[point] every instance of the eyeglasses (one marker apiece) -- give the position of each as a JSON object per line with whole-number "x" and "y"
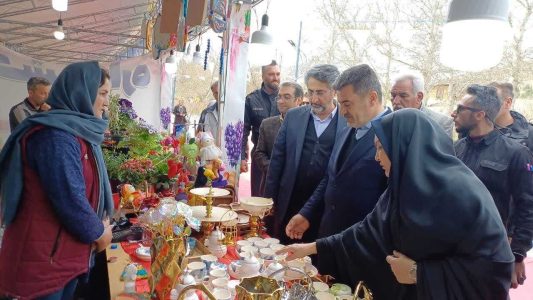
{"x": 285, "y": 97}
{"x": 318, "y": 93}
{"x": 461, "y": 108}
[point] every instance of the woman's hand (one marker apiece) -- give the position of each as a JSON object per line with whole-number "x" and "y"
{"x": 295, "y": 251}
{"x": 106, "y": 237}
{"x": 403, "y": 268}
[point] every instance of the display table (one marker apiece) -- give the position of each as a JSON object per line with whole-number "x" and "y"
{"x": 115, "y": 268}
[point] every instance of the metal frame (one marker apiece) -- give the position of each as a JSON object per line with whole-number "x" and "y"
{"x": 40, "y": 8}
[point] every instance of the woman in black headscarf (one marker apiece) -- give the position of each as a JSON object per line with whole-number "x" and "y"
{"x": 434, "y": 234}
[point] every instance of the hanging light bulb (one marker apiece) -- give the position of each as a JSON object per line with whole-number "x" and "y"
{"x": 474, "y": 36}
{"x": 60, "y": 5}
{"x": 59, "y": 34}
{"x": 261, "y": 50}
{"x": 171, "y": 63}
{"x": 197, "y": 57}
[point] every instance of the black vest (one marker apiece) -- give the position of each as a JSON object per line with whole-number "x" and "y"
{"x": 313, "y": 162}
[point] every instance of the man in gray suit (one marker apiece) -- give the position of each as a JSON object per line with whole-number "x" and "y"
{"x": 302, "y": 149}
{"x": 408, "y": 92}
{"x": 290, "y": 95}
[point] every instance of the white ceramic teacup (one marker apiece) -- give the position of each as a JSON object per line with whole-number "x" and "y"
{"x": 243, "y": 243}
{"x": 250, "y": 249}
{"x": 267, "y": 253}
{"x": 254, "y": 239}
{"x": 197, "y": 269}
{"x": 218, "y": 273}
{"x": 261, "y": 244}
{"x": 324, "y": 296}
{"x": 320, "y": 286}
{"x": 222, "y": 294}
{"x": 220, "y": 283}
{"x": 271, "y": 241}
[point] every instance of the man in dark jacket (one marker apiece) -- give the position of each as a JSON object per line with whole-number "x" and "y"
{"x": 509, "y": 122}
{"x": 302, "y": 149}
{"x": 290, "y": 95}
{"x": 353, "y": 180}
{"x": 502, "y": 164}
{"x": 38, "y": 89}
{"x": 260, "y": 104}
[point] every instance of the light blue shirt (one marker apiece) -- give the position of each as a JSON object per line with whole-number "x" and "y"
{"x": 364, "y": 129}
{"x": 321, "y": 125}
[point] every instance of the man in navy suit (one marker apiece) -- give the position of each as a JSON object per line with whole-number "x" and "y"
{"x": 354, "y": 180}
{"x": 302, "y": 149}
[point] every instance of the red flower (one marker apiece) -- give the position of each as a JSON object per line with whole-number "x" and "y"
{"x": 173, "y": 169}
{"x": 152, "y": 152}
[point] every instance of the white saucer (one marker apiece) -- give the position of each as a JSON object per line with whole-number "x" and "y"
{"x": 143, "y": 253}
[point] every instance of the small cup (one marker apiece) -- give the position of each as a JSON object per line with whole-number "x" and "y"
{"x": 220, "y": 283}
{"x": 267, "y": 253}
{"x": 324, "y": 296}
{"x": 271, "y": 241}
{"x": 254, "y": 239}
{"x": 243, "y": 243}
{"x": 217, "y": 273}
{"x": 320, "y": 286}
{"x": 260, "y": 244}
{"x": 276, "y": 247}
{"x": 250, "y": 249}
{"x": 231, "y": 286}
{"x": 222, "y": 294}
{"x": 208, "y": 260}
{"x": 197, "y": 269}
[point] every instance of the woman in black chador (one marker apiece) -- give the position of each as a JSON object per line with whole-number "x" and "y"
{"x": 434, "y": 234}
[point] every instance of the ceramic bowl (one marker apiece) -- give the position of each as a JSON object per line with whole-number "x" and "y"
{"x": 143, "y": 253}
{"x": 257, "y": 206}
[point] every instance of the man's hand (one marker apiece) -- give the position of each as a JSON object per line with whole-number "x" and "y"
{"x": 402, "y": 266}
{"x": 519, "y": 274}
{"x": 295, "y": 251}
{"x": 244, "y": 166}
{"x": 106, "y": 237}
{"x": 45, "y": 107}
{"x": 297, "y": 227}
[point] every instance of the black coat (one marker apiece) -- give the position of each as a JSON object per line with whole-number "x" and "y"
{"x": 436, "y": 212}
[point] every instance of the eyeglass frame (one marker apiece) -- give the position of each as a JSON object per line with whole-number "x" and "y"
{"x": 318, "y": 93}
{"x": 461, "y": 108}
{"x": 285, "y": 98}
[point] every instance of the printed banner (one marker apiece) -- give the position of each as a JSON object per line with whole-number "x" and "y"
{"x": 138, "y": 79}
{"x": 234, "y": 93}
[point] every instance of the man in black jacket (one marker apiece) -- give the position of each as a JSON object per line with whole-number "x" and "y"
{"x": 502, "y": 164}
{"x": 260, "y": 104}
{"x": 509, "y": 122}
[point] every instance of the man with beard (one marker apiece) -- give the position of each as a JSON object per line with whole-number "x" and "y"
{"x": 502, "y": 164}
{"x": 302, "y": 150}
{"x": 259, "y": 105}
{"x": 509, "y": 122}
{"x": 353, "y": 180}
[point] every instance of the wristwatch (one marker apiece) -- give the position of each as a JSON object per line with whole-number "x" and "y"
{"x": 412, "y": 272}
{"x": 518, "y": 257}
